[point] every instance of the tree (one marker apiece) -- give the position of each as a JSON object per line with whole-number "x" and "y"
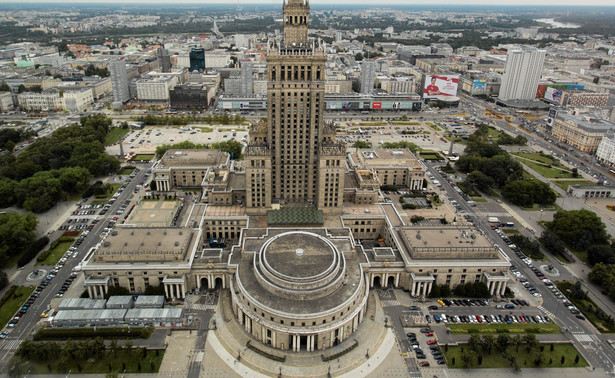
{"x": 128, "y": 346}
{"x": 503, "y": 341}
{"x": 563, "y": 359}
{"x": 480, "y": 181}
{"x": 600, "y": 253}
{"x": 579, "y": 228}
{"x": 4, "y": 87}
{"x": 552, "y": 242}
{"x": 474, "y": 342}
{"x": 21, "y": 88}
{"x": 362, "y": 144}
{"x": 358, "y": 56}
{"x": 487, "y": 343}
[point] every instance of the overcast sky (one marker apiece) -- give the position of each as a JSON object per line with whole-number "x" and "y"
{"x": 344, "y": 2}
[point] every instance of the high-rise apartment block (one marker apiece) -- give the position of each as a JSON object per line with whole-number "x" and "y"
{"x": 368, "y": 75}
{"x": 164, "y": 60}
{"x": 119, "y": 82}
{"x": 522, "y": 73}
{"x": 295, "y": 157}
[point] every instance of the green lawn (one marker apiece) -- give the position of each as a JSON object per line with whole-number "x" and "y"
{"x": 114, "y": 135}
{"x": 109, "y": 193}
{"x": 203, "y": 129}
{"x": 98, "y": 202}
{"x": 118, "y": 362}
{"x": 411, "y": 123}
{"x": 127, "y": 170}
{"x": 146, "y": 157}
{"x": 373, "y": 123}
{"x": 513, "y": 328}
{"x": 56, "y": 253}
{"x": 431, "y": 156}
{"x": 524, "y": 358}
{"x": 13, "y": 303}
{"x": 587, "y": 307}
{"x": 565, "y": 183}
{"x": 509, "y": 231}
{"x": 536, "y": 156}
{"x": 479, "y": 199}
{"x": 433, "y": 126}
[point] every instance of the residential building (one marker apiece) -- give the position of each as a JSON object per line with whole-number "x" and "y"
{"x": 522, "y": 73}
{"x": 119, "y": 82}
{"x": 580, "y": 131}
{"x": 6, "y": 101}
{"x": 368, "y": 75}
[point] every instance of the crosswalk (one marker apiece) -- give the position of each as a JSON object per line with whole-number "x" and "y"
{"x": 547, "y": 312}
{"x": 585, "y": 338}
{"x": 10, "y": 344}
{"x": 389, "y": 302}
{"x": 203, "y": 307}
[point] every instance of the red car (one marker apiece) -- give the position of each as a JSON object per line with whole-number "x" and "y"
{"x": 429, "y": 333}
{"x": 424, "y": 364}
{"x": 431, "y": 342}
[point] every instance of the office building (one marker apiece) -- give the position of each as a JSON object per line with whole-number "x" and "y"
{"x": 522, "y": 73}
{"x": 192, "y": 97}
{"x": 368, "y": 75}
{"x": 119, "y": 82}
{"x": 580, "y": 131}
{"x": 164, "y": 60}
{"x": 197, "y": 59}
{"x": 295, "y": 158}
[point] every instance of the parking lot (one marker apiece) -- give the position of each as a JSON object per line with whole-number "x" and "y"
{"x": 425, "y": 347}
{"x": 147, "y": 139}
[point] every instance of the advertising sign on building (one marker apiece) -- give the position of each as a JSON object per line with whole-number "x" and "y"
{"x": 440, "y": 85}
{"x": 553, "y": 95}
{"x": 376, "y": 105}
{"x": 479, "y": 87}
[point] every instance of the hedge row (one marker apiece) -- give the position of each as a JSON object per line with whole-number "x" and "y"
{"x": 266, "y": 354}
{"x": 341, "y": 353}
{"x": 91, "y": 333}
{"x": 54, "y": 244}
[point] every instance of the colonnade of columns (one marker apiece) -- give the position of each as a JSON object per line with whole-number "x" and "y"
{"x": 312, "y": 342}
{"x": 162, "y": 185}
{"x": 97, "y": 291}
{"x": 497, "y": 287}
{"x": 174, "y": 290}
{"x": 421, "y": 288}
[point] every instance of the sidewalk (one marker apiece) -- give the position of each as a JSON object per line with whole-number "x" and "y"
{"x": 374, "y": 355}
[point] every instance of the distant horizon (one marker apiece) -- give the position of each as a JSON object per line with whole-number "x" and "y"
{"x": 340, "y": 3}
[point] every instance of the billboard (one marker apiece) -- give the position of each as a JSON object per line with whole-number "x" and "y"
{"x": 376, "y": 105}
{"x": 440, "y": 85}
{"x": 479, "y": 87}
{"x": 553, "y": 95}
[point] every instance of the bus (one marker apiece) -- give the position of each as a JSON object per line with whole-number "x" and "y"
{"x": 612, "y": 171}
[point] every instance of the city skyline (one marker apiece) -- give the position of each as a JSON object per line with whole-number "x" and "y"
{"x": 546, "y": 3}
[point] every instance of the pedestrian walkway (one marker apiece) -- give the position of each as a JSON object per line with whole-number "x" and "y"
{"x": 585, "y": 338}
{"x": 10, "y": 344}
{"x": 226, "y": 351}
{"x": 203, "y": 307}
{"x": 390, "y": 302}
{"x": 547, "y": 312}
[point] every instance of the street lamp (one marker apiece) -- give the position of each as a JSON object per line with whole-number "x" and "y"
{"x": 540, "y": 220}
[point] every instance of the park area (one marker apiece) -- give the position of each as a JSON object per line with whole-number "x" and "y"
{"x": 515, "y": 328}
{"x": 12, "y": 301}
{"x": 516, "y": 353}
{"x": 83, "y": 357}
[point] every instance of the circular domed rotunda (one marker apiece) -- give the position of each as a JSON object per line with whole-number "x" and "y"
{"x": 298, "y": 290}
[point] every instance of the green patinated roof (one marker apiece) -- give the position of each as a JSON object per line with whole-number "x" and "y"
{"x": 294, "y": 215}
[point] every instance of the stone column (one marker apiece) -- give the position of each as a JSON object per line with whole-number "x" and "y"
{"x": 295, "y": 342}
{"x": 429, "y": 288}
{"x": 312, "y": 343}
{"x": 397, "y": 279}
{"x": 106, "y": 289}
{"x": 90, "y": 294}
{"x": 166, "y": 290}
{"x": 413, "y": 288}
{"x": 497, "y": 287}
{"x": 503, "y": 288}
{"x": 490, "y": 286}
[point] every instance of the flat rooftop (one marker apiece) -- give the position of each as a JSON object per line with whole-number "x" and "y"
{"x": 384, "y": 157}
{"x": 146, "y": 244}
{"x": 192, "y": 158}
{"x": 458, "y": 241}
